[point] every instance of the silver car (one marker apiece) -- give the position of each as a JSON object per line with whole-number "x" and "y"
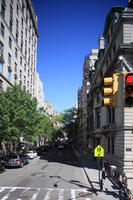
{"x": 14, "y": 160}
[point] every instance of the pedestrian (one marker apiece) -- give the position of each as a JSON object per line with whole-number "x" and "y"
{"x": 122, "y": 184}
{"x": 122, "y": 180}
{"x": 103, "y": 176}
{"x": 103, "y": 173}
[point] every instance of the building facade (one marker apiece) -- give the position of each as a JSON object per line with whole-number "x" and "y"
{"x": 39, "y": 92}
{"x": 88, "y": 68}
{"x": 18, "y": 44}
{"x": 112, "y": 128}
{"x": 49, "y": 109}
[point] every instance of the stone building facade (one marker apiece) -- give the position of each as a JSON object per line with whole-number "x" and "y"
{"x": 112, "y": 128}
{"x": 18, "y": 44}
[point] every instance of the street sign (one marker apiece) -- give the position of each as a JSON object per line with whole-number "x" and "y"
{"x": 99, "y": 151}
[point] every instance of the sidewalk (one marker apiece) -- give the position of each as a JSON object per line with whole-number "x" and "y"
{"x": 110, "y": 190}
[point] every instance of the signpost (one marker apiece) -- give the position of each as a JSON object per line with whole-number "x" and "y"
{"x": 99, "y": 152}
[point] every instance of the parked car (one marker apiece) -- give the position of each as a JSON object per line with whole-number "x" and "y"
{"x": 14, "y": 160}
{"x": 32, "y": 154}
{"x": 1, "y": 163}
{"x": 60, "y": 146}
{"x": 25, "y": 158}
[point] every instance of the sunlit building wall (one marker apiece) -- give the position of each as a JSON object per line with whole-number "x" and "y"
{"x": 18, "y": 44}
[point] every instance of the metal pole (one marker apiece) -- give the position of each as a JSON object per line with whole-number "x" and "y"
{"x": 99, "y": 168}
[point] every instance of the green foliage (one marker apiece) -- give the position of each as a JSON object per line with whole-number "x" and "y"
{"x": 58, "y": 132}
{"x": 19, "y": 116}
{"x": 68, "y": 118}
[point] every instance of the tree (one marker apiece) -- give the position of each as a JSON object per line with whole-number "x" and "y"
{"x": 68, "y": 118}
{"x": 18, "y": 115}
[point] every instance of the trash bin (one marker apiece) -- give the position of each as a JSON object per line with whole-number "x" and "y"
{"x": 112, "y": 170}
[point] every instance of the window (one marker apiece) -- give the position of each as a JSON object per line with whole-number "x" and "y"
{"x": 9, "y": 74}
{"x": 98, "y": 116}
{"x": 21, "y": 35}
{"x": 3, "y": 9}
{"x": 108, "y": 40}
{"x": 21, "y": 46}
{"x": 16, "y": 52}
{"x": 20, "y": 60}
{"x": 17, "y": 9}
{"x": 26, "y": 18}
{"x": 28, "y": 84}
{"x": 10, "y": 42}
{"x": 26, "y": 44}
{"x": 15, "y": 79}
{"x": 20, "y": 74}
{"x": 1, "y": 84}
{"x": 15, "y": 68}
{"x": 2, "y": 29}
{"x": 25, "y": 67}
{"x": 22, "y": 21}
{"x": 24, "y": 79}
{"x": 16, "y": 24}
{"x": 11, "y": 11}
{"x": 26, "y": 32}
{"x": 111, "y": 115}
{"x": 114, "y": 49}
{"x": 16, "y": 37}
{"x": 9, "y": 58}
{"x": 10, "y": 25}
{"x": 25, "y": 53}
{"x": 98, "y": 97}
{"x": 112, "y": 145}
{"x": 1, "y": 49}
{"x": 0, "y": 67}
{"x": 108, "y": 144}
{"x": 31, "y": 79}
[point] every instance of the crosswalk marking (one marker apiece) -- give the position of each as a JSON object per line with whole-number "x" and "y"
{"x": 36, "y": 194}
{"x": 7, "y": 193}
{"x": 61, "y": 192}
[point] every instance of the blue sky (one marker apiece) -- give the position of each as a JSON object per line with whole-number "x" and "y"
{"x": 68, "y": 30}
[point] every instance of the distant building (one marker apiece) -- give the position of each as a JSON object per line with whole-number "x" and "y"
{"x": 88, "y": 74}
{"x": 49, "y": 109}
{"x": 39, "y": 93}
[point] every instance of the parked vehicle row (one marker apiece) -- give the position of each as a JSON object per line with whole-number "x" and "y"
{"x": 17, "y": 159}
{"x": 32, "y": 154}
{"x": 1, "y": 163}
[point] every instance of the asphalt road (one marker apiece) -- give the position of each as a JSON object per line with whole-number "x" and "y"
{"x": 55, "y": 176}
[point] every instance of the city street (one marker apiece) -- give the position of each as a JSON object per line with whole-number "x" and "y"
{"x": 56, "y": 175}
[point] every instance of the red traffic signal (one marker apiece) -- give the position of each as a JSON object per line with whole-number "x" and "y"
{"x": 129, "y": 89}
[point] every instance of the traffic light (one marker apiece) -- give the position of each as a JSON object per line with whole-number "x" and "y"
{"x": 110, "y": 91}
{"x": 128, "y": 89}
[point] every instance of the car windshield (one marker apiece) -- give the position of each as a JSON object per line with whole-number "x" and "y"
{"x": 12, "y": 156}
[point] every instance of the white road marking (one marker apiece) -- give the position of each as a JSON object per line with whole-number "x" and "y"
{"x": 73, "y": 194}
{"x": 61, "y": 192}
{"x": 47, "y": 196}
{"x": 35, "y": 194}
{"x": 7, "y": 195}
{"x": 2, "y": 189}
